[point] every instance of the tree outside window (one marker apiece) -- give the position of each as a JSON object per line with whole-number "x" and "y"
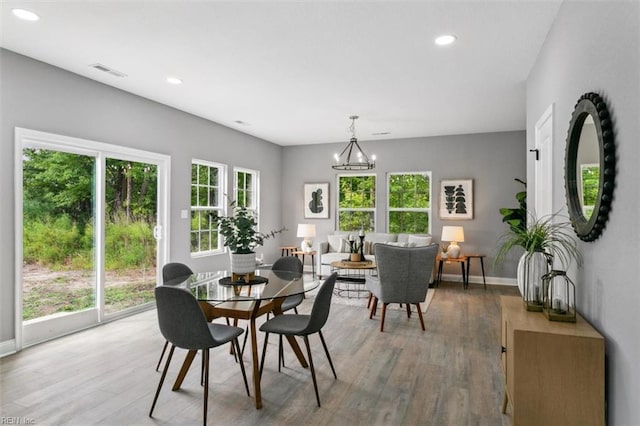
{"x": 206, "y": 203}
{"x": 245, "y": 189}
{"x": 409, "y": 202}
{"x": 356, "y": 202}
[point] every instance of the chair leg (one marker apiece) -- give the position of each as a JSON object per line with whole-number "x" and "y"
{"x": 164, "y": 374}
{"x": 295, "y": 309}
{"x": 164, "y": 348}
{"x": 264, "y": 351}
{"x": 280, "y": 353}
{"x": 244, "y": 373}
{"x": 313, "y": 370}
{"x": 420, "y": 316}
{"x": 408, "y": 310}
{"x": 326, "y": 351}
{"x": 384, "y": 312}
{"x": 369, "y": 301}
{"x": 202, "y": 371}
{"x": 205, "y": 357}
{"x": 374, "y": 307}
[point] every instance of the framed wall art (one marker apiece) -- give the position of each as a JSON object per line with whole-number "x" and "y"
{"x": 316, "y": 200}
{"x": 456, "y": 199}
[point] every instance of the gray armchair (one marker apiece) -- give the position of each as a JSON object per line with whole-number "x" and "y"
{"x": 403, "y": 277}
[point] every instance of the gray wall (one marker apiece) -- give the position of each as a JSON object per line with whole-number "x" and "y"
{"x": 38, "y": 96}
{"x": 492, "y": 160}
{"x": 594, "y": 46}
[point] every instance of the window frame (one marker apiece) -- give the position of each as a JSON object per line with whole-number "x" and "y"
{"x": 255, "y": 188}
{"x": 367, "y": 209}
{"x": 427, "y": 210}
{"x": 221, "y": 207}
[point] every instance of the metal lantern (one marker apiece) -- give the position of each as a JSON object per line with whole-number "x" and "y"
{"x": 535, "y": 266}
{"x": 559, "y": 297}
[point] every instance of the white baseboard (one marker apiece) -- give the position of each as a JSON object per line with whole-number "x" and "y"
{"x": 477, "y": 279}
{"x": 7, "y": 347}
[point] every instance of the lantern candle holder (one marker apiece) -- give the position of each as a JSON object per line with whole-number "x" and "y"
{"x": 536, "y": 265}
{"x": 559, "y": 297}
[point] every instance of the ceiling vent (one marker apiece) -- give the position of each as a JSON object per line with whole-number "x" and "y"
{"x": 108, "y": 70}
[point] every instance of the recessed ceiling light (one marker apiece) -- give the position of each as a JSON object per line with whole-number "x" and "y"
{"x": 445, "y": 39}
{"x": 27, "y": 15}
{"x": 174, "y": 80}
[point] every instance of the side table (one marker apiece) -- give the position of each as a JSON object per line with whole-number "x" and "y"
{"x": 297, "y": 253}
{"x": 288, "y": 250}
{"x": 461, "y": 260}
{"x": 476, "y": 256}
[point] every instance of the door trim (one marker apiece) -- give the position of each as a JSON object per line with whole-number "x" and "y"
{"x": 27, "y": 137}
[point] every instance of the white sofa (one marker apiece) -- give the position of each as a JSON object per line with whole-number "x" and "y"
{"x": 336, "y": 246}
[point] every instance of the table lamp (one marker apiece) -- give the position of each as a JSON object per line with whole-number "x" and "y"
{"x": 306, "y": 231}
{"x": 454, "y": 234}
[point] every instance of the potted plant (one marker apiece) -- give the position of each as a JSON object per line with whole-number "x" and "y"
{"x": 241, "y": 236}
{"x": 543, "y": 240}
{"x": 354, "y": 249}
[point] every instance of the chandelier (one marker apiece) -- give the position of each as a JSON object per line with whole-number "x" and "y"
{"x": 361, "y": 161}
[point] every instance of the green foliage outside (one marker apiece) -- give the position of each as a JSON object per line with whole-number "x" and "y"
{"x": 590, "y": 187}
{"x": 58, "y": 228}
{"x": 408, "y": 193}
{"x": 358, "y": 195}
{"x": 409, "y": 196}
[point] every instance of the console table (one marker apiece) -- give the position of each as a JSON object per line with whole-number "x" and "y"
{"x": 554, "y": 371}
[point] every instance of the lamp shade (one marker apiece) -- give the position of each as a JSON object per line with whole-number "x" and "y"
{"x": 453, "y": 233}
{"x": 306, "y": 230}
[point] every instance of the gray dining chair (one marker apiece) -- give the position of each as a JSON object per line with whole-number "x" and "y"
{"x": 185, "y": 326}
{"x": 403, "y": 277}
{"x": 173, "y": 271}
{"x": 305, "y": 325}
{"x": 170, "y": 272}
{"x": 289, "y": 264}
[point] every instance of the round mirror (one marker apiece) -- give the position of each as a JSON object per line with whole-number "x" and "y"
{"x": 589, "y": 166}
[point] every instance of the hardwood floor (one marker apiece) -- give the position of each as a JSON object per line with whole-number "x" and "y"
{"x": 448, "y": 375}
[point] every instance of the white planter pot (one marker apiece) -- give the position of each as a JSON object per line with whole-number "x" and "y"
{"x": 243, "y": 263}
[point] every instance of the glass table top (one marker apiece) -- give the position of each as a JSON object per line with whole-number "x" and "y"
{"x": 216, "y": 286}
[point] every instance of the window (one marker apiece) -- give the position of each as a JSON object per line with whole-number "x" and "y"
{"x": 409, "y": 202}
{"x": 207, "y": 188}
{"x": 246, "y": 189}
{"x": 357, "y": 202}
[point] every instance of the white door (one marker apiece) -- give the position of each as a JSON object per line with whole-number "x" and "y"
{"x": 543, "y": 169}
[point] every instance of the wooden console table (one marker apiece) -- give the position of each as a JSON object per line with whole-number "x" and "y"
{"x": 554, "y": 371}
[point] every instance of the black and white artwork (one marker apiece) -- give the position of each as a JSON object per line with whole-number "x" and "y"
{"x": 456, "y": 199}
{"x": 316, "y": 200}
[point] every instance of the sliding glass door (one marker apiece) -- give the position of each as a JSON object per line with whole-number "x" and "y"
{"x": 91, "y": 238}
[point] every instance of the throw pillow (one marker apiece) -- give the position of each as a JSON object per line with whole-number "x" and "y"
{"x": 418, "y": 241}
{"x": 336, "y": 243}
{"x": 391, "y": 243}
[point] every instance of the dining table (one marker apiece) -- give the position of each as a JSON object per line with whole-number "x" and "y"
{"x": 222, "y": 297}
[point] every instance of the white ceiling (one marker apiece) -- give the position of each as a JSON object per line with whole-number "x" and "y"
{"x": 295, "y": 71}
